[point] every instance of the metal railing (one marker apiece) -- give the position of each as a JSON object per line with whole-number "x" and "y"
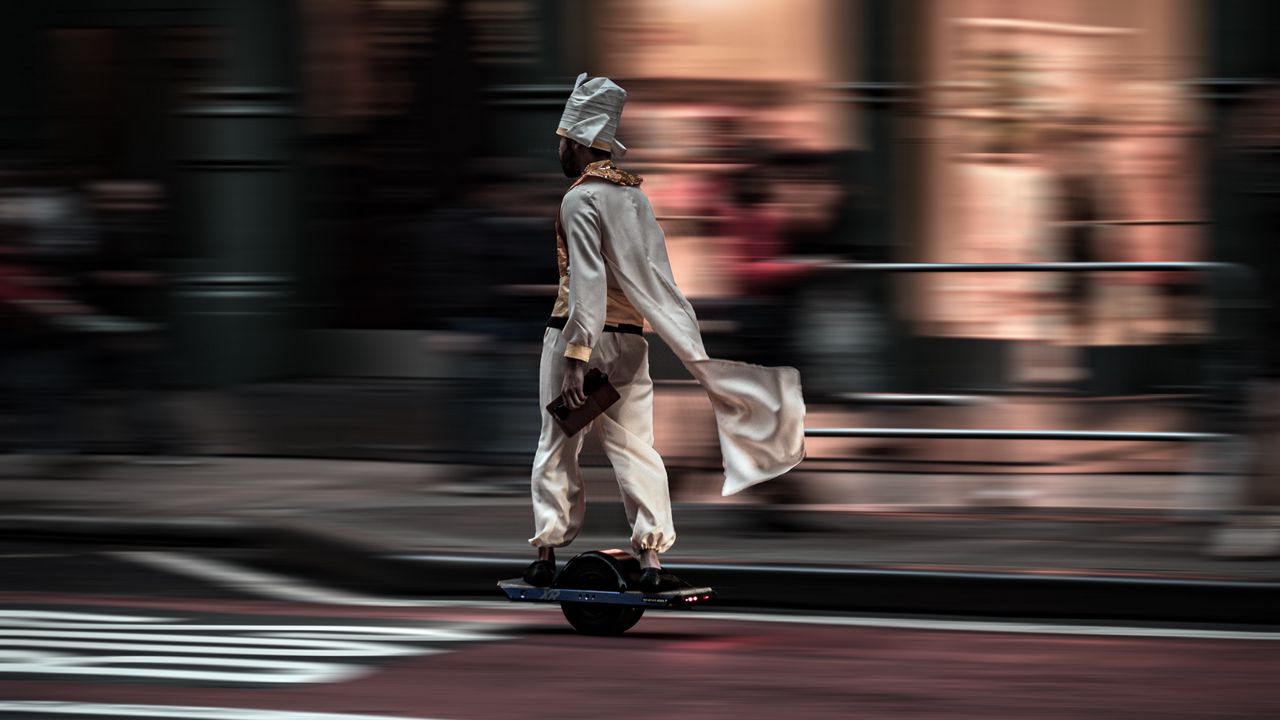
{"x": 970, "y": 434}
{"x": 1035, "y": 267}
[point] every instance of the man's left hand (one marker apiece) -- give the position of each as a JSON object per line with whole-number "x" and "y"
{"x": 571, "y": 390}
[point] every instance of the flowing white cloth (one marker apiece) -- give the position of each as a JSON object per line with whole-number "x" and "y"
{"x": 614, "y": 240}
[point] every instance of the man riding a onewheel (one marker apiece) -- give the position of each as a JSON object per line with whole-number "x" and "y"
{"x": 614, "y": 277}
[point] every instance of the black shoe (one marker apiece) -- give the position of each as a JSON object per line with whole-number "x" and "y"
{"x": 655, "y": 580}
{"x": 540, "y": 573}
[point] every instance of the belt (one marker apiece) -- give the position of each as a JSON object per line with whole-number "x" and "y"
{"x": 558, "y": 323}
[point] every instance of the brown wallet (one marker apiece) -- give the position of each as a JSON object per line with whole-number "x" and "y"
{"x": 600, "y": 395}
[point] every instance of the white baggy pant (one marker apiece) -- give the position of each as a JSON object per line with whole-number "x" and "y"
{"x": 626, "y": 432}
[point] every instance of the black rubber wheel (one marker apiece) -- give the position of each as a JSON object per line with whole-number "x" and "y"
{"x": 593, "y": 618}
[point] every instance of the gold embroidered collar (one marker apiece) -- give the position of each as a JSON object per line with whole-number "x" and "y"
{"x": 605, "y": 169}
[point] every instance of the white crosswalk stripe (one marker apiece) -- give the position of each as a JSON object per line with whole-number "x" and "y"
{"x": 34, "y": 642}
{"x": 176, "y": 712}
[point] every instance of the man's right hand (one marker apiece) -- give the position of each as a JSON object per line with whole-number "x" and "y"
{"x": 571, "y": 389}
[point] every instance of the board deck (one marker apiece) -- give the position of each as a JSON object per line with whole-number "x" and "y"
{"x": 521, "y": 591}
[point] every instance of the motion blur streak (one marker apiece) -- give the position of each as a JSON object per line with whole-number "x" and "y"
{"x": 274, "y": 276}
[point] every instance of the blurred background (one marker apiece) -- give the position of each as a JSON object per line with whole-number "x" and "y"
{"x": 323, "y": 229}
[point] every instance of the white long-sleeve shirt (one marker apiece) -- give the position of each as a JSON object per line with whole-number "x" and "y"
{"x": 590, "y": 296}
{"x": 618, "y": 263}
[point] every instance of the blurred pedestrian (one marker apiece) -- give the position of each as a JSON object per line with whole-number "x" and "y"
{"x": 471, "y": 262}
{"x": 42, "y": 234}
{"x": 1244, "y": 367}
{"x": 129, "y": 282}
{"x": 762, "y": 275}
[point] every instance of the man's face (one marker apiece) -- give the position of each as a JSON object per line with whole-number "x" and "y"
{"x": 568, "y": 163}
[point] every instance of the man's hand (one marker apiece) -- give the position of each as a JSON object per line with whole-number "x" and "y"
{"x": 571, "y": 390}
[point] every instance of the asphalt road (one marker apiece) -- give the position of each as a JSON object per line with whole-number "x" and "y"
{"x": 153, "y": 633}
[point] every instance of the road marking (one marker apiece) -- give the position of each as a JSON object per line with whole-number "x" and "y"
{"x": 24, "y": 620}
{"x": 184, "y": 712}
{"x": 47, "y": 616}
{"x": 28, "y": 556}
{"x": 280, "y": 587}
{"x": 198, "y": 669}
{"x": 994, "y": 626}
{"x": 256, "y": 582}
{"x": 299, "y": 636}
{"x": 268, "y": 647}
{"x": 71, "y": 644}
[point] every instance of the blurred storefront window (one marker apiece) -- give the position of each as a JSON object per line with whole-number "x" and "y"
{"x": 718, "y": 89}
{"x": 1052, "y": 131}
{"x": 1062, "y": 131}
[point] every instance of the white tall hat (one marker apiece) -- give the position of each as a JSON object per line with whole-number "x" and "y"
{"x": 591, "y": 115}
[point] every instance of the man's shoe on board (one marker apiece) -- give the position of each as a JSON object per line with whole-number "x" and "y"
{"x": 540, "y": 573}
{"x": 655, "y": 580}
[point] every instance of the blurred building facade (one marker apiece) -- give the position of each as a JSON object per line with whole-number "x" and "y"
{"x": 303, "y": 146}
{"x": 341, "y": 193}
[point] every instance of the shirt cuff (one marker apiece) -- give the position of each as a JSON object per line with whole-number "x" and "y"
{"x": 577, "y": 352}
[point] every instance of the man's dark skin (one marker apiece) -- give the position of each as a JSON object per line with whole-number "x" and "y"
{"x": 574, "y": 157}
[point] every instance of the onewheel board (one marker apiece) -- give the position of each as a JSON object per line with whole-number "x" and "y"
{"x": 520, "y": 590}
{"x": 594, "y": 593}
